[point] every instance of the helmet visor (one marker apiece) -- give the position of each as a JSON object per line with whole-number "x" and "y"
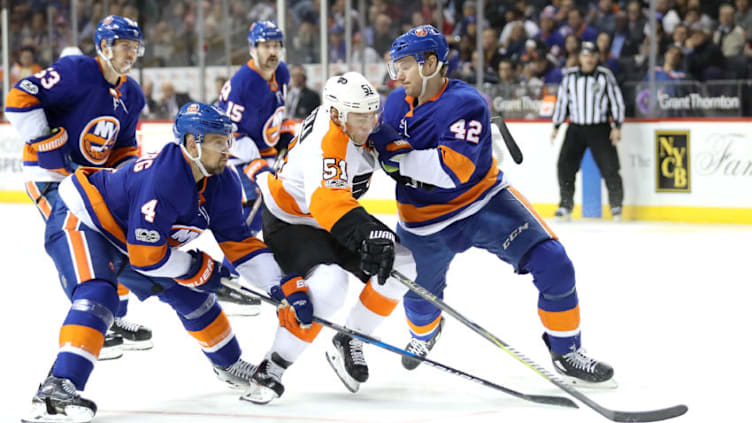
{"x": 402, "y": 64}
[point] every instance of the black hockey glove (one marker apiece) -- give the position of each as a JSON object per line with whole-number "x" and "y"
{"x": 372, "y": 240}
{"x": 377, "y": 253}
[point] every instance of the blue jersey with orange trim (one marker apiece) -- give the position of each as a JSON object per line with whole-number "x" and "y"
{"x": 256, "y": 105}
{"x": 456, "y": 124}
{"x": 153, "y": 205}
{"x": 100, "y": 118}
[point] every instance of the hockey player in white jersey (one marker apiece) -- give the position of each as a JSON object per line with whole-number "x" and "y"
{"x": 315, "y": 226}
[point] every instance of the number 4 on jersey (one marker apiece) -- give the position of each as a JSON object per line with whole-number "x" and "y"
{"x": 148, "y": 210}
{"x": 470, "y": 134}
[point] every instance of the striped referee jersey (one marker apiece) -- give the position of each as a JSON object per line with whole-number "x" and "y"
{"x": 589, "y": 99}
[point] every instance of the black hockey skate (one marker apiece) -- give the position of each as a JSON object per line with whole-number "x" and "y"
{"x": 421, "y": 348}
{"x": 266, "y": 382}
{"x": 135, "y": 337}
{"x": 581, "y": 370}
{"x": 238, "y": 376}
{"x": 57, "y": 401}
{"x": 112, "y": 348}
{"x": 348, "y": 362}
{"x": 236, "y": 304}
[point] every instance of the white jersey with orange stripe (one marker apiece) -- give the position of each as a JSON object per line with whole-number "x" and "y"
{"x": 315, "y": 186}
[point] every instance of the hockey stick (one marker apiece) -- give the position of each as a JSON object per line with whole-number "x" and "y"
{"x": 257, "y": 204}
{"x": 236, "y": 286}
{"x": 514, "y": 149}
{"x": 617, "y": 416}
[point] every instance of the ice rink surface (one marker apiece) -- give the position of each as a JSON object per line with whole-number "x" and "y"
{"x": 663, "y": 303}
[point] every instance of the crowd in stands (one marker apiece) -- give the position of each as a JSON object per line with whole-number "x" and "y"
{"x": 524, "y": 41}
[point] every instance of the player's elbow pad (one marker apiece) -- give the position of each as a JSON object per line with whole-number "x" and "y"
{"x": 51, "y": 149}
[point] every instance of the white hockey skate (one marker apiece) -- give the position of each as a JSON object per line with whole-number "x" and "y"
{"x": 266, "y": 382}
{"x": 238, "y": 376}
{"x": 57, "y": 401}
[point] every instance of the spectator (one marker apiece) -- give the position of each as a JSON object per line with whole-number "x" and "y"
{"x": 603, "y": 17}
{"x": 507, "y": 73}
{"x": 171, "y": 101}
{"x": 549, "y": 34}
{"x": 544, "y": 68}
{"x": 369, "y": 53}
{"x": 695, "y": 19}
{"x": 679, "y": 38}
{"x": 572, "y": 45}
{"x": 563, "y": 12}
{"x": 24, "y": 66}
{"x": 150, "y": 108}
{"x": 515, "y": 46}
{"x": 621, "y": 44}
{"x": 705, "y": 60}
{"x": 514, "y": 17}
{"x": 219, "y": 83}
{"x": 729, "y": 36}
{"x": 382, "y": 34}
{"x": 636, "y": 22}
{"x": 301, "y": 100}
{"x": 491, "y": 49}
{"x": 337, "y": 45}
{"x": 304, "y": 46}
{"x": 576, "y": 25}
{"x": 603, "y": 43}
{"x": 667, "y": 16}
{"x": 670, "y": 71}
{"x": 743, "y": 16}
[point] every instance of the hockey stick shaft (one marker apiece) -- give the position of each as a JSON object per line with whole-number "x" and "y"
{"x": 512, "y": 147}
{"x": 236, "y": 285}
{"x": 259, "y": 200}
{"x": 619, "y": 416}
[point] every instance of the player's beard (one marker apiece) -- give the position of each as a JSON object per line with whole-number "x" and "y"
{"x": 271, "y": 63}
{"x": 218, "y": 168}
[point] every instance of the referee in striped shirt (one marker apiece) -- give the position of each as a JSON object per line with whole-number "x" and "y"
{"x": 589, "y": 96}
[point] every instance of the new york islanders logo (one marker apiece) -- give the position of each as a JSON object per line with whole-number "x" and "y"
{"x": 421, "y": 32}
{"x": 271, "y": 128}
{"x": 98, "y": 137}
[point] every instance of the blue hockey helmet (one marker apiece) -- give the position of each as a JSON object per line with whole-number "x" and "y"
{"x": 264, "y": 31}
{"x": 416, "y": 43}
{"x": 200, "y": 119}
{"x": 114, "y": 28}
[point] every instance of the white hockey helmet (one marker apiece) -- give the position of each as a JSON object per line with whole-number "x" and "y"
{"x": 350, "y": 93}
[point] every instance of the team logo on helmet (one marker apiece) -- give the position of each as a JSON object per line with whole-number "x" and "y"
{"x": 421, "y": 32}
{"x": 108, "y": 20}
{"x": 98, "y": 137}
{"x": 193, "y": 108}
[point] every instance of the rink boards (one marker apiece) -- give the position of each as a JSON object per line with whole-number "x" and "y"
{"x": 674, "y": 170}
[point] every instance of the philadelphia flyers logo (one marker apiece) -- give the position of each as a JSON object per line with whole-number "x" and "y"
{"x": 271, "y": 128}
{"x": 98, "y": 137}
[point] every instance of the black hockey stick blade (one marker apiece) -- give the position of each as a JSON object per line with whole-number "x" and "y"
{"x": 645, "y": 416}
{"x": 514, "y": 149}
{"x": 235, "y": 285}
{"x": 617, "y": 416}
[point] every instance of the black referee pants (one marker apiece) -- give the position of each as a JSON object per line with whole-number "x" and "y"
{"x": 576, "y": 140}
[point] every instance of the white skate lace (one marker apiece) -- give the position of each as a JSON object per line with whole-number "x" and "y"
{"x": 356, "y": 352}
{"x": 418, "y": 347}
{"x": 127, "y": 325}
{"x": 580, "y": 361}
{"x": 241, "y": 369}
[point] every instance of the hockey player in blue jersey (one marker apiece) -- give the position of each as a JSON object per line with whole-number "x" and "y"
{"x": 435, "y": 141}
{"x": 254, "y": 98}
{"x": 83, "y": 111}
{"x": 127, "y": 224}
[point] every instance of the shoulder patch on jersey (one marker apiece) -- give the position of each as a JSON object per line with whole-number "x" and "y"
{"x": 29, "y": 87}
{"x": 147, "y": 235}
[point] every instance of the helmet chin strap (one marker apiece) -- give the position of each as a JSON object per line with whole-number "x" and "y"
{"x": 426, "y": 78}
{"x": 196, "y": 159}
{"x": 108, "y": 59}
